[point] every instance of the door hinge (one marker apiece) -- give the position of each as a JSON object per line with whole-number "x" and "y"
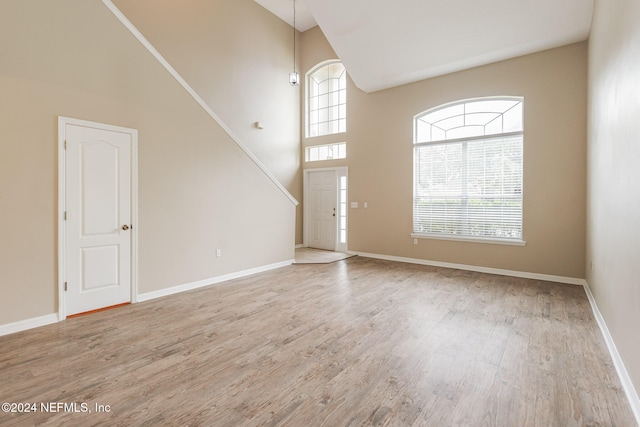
{"x": 65, "y": 215}
{"x": 65, "y": 144}
{"x": 65, "y": 286}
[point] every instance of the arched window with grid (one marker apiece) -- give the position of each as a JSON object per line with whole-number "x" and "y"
{"x": 468, "y": 170}
{"x": 326, "y": 99}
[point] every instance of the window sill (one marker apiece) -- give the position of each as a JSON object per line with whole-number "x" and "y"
{"x": 325, "y": 135}
{"x": 495, "y": 241}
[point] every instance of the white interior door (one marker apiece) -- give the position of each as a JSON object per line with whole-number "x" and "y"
{"x": 98, "y": 210}
{"x": 322, "y": 220}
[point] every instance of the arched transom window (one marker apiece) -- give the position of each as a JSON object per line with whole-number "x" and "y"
{"x": 468, "y": 164}
{"x": 478, "y": 117}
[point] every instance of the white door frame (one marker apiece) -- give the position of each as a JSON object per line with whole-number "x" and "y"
{"x": 62, "y": 261}
{"x": 340, "y": 171}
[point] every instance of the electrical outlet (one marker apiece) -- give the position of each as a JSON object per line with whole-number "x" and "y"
{"x": 218, "y": 253}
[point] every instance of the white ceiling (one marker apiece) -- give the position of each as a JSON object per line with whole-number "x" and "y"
{"x": 385, "y": 43}
{"x": 284, "y": 10}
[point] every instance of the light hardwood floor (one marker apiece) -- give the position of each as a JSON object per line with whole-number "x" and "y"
{"x": 352, "y": 343}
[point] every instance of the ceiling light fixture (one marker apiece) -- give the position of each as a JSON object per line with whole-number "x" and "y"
{"x": 294, "y": 78}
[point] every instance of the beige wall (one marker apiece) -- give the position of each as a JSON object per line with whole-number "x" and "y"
{"x": 613, "y": 245}
{"x": 198, "y": 191}
{"x": 237, "y": 56}
{"x": 379, "y": 146}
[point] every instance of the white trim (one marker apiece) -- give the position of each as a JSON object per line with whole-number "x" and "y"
{"x": 306, "y": 96}
{"x": 625, "y": 379}
{"x": 470, "y": 138}
{"x": 339, "y": 171}
{"x": 152, "y": 50}
{"x": 62, "y": 123}
{"x": 62, "y": 249}
{"x": 23, "y": 325}
{"x": 212, "y": 281}
{"x": 489, "y": 270}
{"x": 338, "y": 144}
{"x": 493, "y": 241}
{"x": 470, "y": 100}
{"x": 135, "y": 227}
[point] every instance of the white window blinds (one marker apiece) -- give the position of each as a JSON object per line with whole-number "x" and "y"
{"x": 468, "y": 178}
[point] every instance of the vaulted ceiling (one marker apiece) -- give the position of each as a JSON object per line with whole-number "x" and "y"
{"x": 385, "y": 43}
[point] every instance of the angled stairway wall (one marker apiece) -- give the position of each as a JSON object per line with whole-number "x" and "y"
{"x": 198, "y": 189}
{"x": 236, "y": 56}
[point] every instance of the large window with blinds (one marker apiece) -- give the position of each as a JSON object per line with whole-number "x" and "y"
{"x": 468, "y": 159}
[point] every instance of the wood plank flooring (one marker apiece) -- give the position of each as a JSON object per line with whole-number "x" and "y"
{"x": 359, "y": 342}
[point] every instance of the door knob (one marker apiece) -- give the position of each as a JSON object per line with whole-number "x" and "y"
{"x": 125, "y": 227}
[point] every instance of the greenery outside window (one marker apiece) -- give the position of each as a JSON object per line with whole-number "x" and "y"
{"x": 468, "y": 171}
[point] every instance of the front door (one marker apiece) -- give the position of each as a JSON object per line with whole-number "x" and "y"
{"x": 322, "y": 225}
{"x": 98, "y": 236}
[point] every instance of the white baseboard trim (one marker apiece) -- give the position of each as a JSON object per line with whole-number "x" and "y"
{"x": 625, "y": 379}
{"x": 212, "y": 281}
{"x": 498, "y": 271}
{"x": 23, "y": 325}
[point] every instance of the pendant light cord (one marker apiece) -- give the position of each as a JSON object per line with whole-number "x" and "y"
{"x": 294, "y": 36}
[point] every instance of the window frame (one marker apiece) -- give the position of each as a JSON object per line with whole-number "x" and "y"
{"x": 339, "y": 148}
{"x": 339, "y": 106}
{"x": 464, "y": 141}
